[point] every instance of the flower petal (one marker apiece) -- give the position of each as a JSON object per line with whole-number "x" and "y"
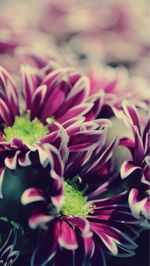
{"x": 2, "y": 171}
{"x": 29, "y": 81}
{"x": 67, "y": 238}
{"x": 32, "y": 195}
{"x": 127, "y": 169}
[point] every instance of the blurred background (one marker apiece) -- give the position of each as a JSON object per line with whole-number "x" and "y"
{"x": 83, "y": 34}
{"x": 108, "y": 32}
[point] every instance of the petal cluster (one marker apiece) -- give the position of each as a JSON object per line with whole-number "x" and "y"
{"x": 138, "y": 167}
{"x": 74, "y": 131}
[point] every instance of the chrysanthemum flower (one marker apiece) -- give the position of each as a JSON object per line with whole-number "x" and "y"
{"x": 31, "y": 119}
{"x": 7, "y": 253}
{"x": 23, "y": 134}
{"x": 87, "y": 223}
{"x": 138, "y": 167}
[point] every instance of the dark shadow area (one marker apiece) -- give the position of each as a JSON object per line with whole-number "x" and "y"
{"x": 142, "y": 254}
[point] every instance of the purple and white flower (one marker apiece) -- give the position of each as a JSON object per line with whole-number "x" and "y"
{"x": 44, "y": 117}
{"x": 138, "y": 167}
{"x": 87, "y": 224}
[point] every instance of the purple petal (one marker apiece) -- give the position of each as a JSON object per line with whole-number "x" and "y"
{"x": 99, "y": 190}
{"x": 82, "y": 224}
{"x": 11, "y": 162}
{"x": 38, "y": 98}
{"x": 139, "y": 148}
{"x": 29, "y": 82}
{"x": 24, "y": 160}
{"x": 5, "y": 113}
{"x": 96, "y": 108}
{"x": 39, "y": 220}
{"x": 78, "y": 110}
{"x": 67, "y": 238}
{"x": 84, "y": 140}
{"x": 146, "y": 210}
{"x": 104, "y": 157}
{"x": 131, "y": 112}
{"x": 136, "y": 204}
{"x": 108, "y": 236}
{"x": 78, "y": 94}
{"x": 127, "y": 169}
{"x": 2, "y": 171}
{"x": 32, "y": 195}
{"x": 10, "y": 94}
{"x": 53, "y": 101}
{"x": 89, "y": 247}
{"x": 58, "y": 201}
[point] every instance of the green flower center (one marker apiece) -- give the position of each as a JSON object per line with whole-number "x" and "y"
{"x": 28, "y": 131}
{"x": 74, "y": 202}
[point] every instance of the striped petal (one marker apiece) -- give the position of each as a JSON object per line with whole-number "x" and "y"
{"x": 5, "y": 113}
{"x": 131, "y": 112}
{"x": 29, "y": 81}
{"x": 38, "y": 98}
{"x": 8, "y": 92}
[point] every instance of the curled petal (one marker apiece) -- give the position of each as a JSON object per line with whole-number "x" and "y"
{"x": 127, "y": 169}
{"x": 32, "y": 195}
{"x": 137, "y": 205}
{"x": 24, "y": 160}
{"x": 39, "y": 220}
{"x": 11, "y": 162}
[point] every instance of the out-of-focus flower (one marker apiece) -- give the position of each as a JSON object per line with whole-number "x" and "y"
{"x": 87, "y": 223}
{"x": 27, "y": 47}
{"x": 117, "y": 85}
{"x": 7, "y": 253}
{"x": 114, "y": 32}
{"x": 24, "y": 43}
{"x": 19, "y": 14}
{"x": 138, "y": 167}
{"x": 111, "y": 36}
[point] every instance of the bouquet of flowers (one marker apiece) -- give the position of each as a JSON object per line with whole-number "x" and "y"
{"x": 74, "y": 133}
